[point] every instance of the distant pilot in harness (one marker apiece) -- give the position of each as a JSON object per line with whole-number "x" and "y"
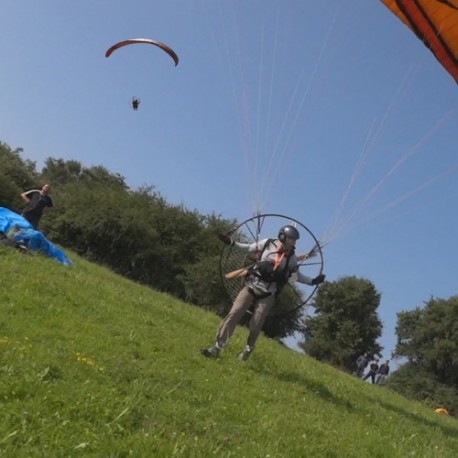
{"x": 135, "y": 103}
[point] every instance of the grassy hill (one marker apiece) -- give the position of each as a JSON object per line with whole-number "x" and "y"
{"x": 95, "y": 365}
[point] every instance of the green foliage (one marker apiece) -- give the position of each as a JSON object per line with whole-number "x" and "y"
{"x": 92, "y": 364}
{"x": 345, "y": 323}
{"x": 60, "y": 172}
{"x": 92, "y": 220}
{"x": 414, "y": 382}
{"x": 284, "y": 325}
{"x": 135, "y": 232}
{"x": 15, "y": 177}
{"x": 203, "y": 285}
{"x": 428, "y": 339}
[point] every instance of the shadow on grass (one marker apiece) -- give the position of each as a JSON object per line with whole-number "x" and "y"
{"x": 315, "y": 387}
{"x": 326, "y": 395}
{"x": 449, "y": 431}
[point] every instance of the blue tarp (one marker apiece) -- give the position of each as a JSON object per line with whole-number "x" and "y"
{"x": 18, "y": 229}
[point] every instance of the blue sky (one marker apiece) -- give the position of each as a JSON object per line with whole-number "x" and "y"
{"x": 330, "y": 112}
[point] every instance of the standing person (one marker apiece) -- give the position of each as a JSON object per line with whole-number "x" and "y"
{"x": 264, "y": 280}
{"x": 37, "y": 200}
{"x": 373, "y": 369}
{"x": 383, "y": 371}
{"x": 361, "y": 364}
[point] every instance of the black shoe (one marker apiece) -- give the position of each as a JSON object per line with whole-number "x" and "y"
{"x": 210, "y": 352}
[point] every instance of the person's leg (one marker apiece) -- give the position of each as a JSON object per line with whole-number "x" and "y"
{"x": 241, "y": 304}
{"x": 261, "y": 310}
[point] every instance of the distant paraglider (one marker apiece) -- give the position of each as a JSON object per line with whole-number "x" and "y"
{"x": 132, "y": 41}
{"x": 435, "y": 22}
{"x": 163, "y": 46}
{"x": 135, "y": 103}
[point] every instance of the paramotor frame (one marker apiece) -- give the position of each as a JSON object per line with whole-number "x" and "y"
{"x": 257, "y": 228}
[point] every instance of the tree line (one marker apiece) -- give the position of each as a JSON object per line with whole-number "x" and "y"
{"x": 141, "y": 236}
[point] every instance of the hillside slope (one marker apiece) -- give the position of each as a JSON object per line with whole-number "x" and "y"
{"x": 93, "y": 364}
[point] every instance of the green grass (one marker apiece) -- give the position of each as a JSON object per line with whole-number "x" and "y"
{"x": 94, "y": 365}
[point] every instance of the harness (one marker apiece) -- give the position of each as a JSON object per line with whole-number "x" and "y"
{"x": 269, "y": 271}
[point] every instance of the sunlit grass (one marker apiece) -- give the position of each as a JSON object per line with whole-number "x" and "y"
{"x": 92, "y": 364}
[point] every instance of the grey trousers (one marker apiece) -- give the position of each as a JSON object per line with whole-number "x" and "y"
{"x": 242, "y": 303}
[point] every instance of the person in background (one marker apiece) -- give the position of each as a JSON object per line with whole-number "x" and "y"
{"x": 263, "y": 281}
{"x": 373, "y": 369}
{"x": 383, "y": 371}
{"x": 37, "y": 200}
{"x": 361, "y": 364}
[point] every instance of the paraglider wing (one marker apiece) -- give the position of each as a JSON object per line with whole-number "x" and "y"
{"x": 435, "y": 22}
{"x": 132, "y": 41}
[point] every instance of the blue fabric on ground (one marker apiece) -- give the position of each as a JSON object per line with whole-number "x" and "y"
{"x": 8, "y": 219}
{"x": 23, "y": 232}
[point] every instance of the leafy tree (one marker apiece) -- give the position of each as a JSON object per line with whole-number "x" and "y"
{"x": 202, "y": 279}
{"x": 284, "y": 324}
{"x": 108, "y": 226}
{"x": 428, "y": 338}
{"x": 203, "y": 285}
{"x": 345, "y": 323}
{"x": 16, "y": 175}
{"x": 59, "y": 172}
{"x": 416, "y": 383}
{"x": 137, "y": 233}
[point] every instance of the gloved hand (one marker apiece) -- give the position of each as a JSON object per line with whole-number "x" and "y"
{"x": 224, "y": 237}
{"x": 318, "y": 279}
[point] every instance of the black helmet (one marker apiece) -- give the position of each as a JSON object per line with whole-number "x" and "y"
{"x": 288, "y": 231}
